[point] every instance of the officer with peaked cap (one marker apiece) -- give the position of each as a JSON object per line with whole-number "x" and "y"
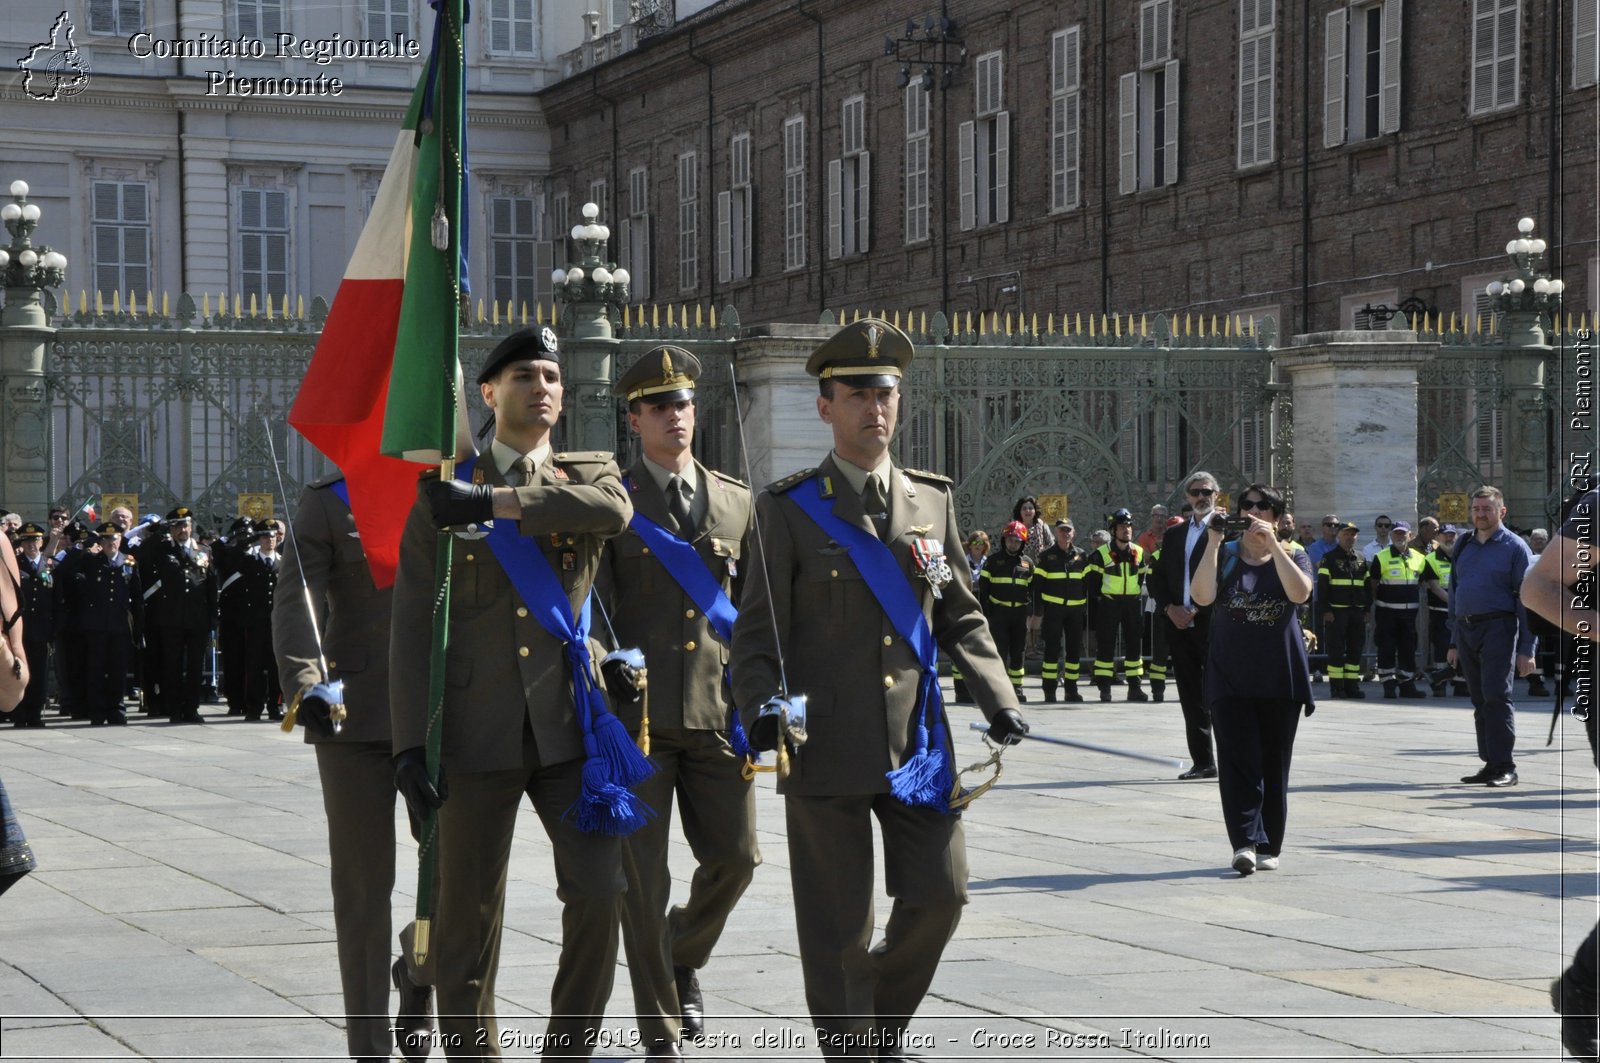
{"x": 688, "y": 522}
{"x": 517, "y": 708}
{"x": 106, "y": 601}
{"x": 227, "y": 554}
{"x": 180, "y": 601}
{"x": 837, "y": 541}
{"x": 38, "y": 622}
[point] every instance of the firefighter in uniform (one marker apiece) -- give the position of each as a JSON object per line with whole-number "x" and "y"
{"x": 1115, "y": 578}
{"x": 1395, "y": 573}
{"x": 38, "y": 622}
{"x": 1344, "y": 598}
{"x": 673, "y": 580}
{"x": 1436, "y": 580}
{"x": 1003, "y": 588}
{"x": 1063, "y": 603}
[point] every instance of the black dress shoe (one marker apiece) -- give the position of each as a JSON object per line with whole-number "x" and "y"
{"x": 413, "y": 1017}
{"x": 1508, "y": 777}
{"x": 691, "y": 1006}
{"x": 1483, "y": 774}
{"x": 1198, "y": 772}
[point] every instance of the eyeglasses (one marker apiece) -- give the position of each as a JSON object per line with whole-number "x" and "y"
{"x": 1261, "y": 505}
{"x": 1330, "y": 524}
{"x": 58, "y": 516}
{"x": 1202, "y": 492}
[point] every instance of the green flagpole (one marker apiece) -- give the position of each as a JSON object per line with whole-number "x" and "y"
{"x": 448, "y": 117}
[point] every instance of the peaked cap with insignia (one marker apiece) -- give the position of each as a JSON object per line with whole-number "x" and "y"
{"x": 661, "y": 375}
{"x": 537, "y": 344}
{"x": 870, "y": 353}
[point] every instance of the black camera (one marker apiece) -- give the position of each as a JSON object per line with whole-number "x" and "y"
{"x": 1229, "y": 524}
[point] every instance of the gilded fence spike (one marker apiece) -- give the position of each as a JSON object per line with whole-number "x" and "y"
{"x": 255, "y": 308}
{"x": 683, "y": 317}
{"x": 494, "y": 311}
{"x": 1144, "y": 326}
{"x": 699, "y": 321}
{"x": 924, "y": 319}
{"x": 99, "y": 306}
{"x": 1077, "y": 323}
{"x": 205, "y": 304}
{"x": 133, "y": 303}
{"x": 1555, "y": 324}
{"x": 1091, "y": 326}
{"x": 968, "y": 329}
{"x": 165, "y": 306}
{"x": 983, "y": 325}
{"x": 238, "y": 305}
{"x": 896, "y": 321}
{"x": 1116, "y": 325}
{"x": 1050, "y": 324}
{"x": 711, "y": 318}
{"x": 1008, "y": 322}
{"x": 299, "y": 307}
{"x": 555, "y": 313}
{"x": 116, "y": 302}
{"x": 1583, "y": 320}
{"x": 149, "y": 302}
{"x": 268, "y": 301}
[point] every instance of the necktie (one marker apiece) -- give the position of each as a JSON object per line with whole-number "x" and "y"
{"x": 876, "y": 504}
{"x": 523, "y": 471}
{"x": 678, "y": 504}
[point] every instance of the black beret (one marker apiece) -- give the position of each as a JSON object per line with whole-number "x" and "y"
{"x": 529, "y": 343}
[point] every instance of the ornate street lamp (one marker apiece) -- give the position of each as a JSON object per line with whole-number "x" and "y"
{"x": 592, "y": 285}
{"x": 1525, "y": 299}
{"x": 22, "y": 265}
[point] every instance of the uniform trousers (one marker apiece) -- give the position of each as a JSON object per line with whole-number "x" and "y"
{"x": 1439, "y": 636}
{"x": 1395, "y": 634}
{"x": 475, "y": 825}
{"x": 150, "y": 672}
{"x": 230, "y": 646}
{"x": 1062, "y": 634}
{"x": 183, "y": 662}
{"x": 1118, "y": 615}
{"x": 1487, "y": 651}
{"x": 1189, "y": 648}
{"x": 105, "y": 670}
{"x": 30, "y": 710}
{"x": 261, "y": 689}
{"x": 69, "y": 671}
{"x": 1255, "y": 738}
{"x": 717, "y": 808}
{"x": 1160, "y": 653}
{"x": 1344, "y": 637}
{"x": 861, "y": 997}
{"x": 359, "y": 798}
{"x": 1009, "y": 626}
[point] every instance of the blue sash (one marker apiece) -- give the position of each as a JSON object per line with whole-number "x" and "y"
{"x": 613, "y": 763}
{"x": 341, "y": 488}
{"x": 926, "y": 777}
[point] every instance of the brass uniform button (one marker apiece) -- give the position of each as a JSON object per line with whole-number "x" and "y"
{"x": 888, "y": 681}
{"x": 470, "y": 557}
{"x": 522, "y": 651}
{"x": 688, "y": 614}
{"x": 522, "y": 610}
{"x": 834, "y": 573}
{"x": 646, "y": 550}
{"x": 888, "y": 640}
{"x": 689, "y": 646}
{"x": 332, "y": 664}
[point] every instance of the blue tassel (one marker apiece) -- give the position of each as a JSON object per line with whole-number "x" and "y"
{"x": 603, "y": 807}
{"x": 923, "y": 780}
{"x": 617, "y": 751}
{"x": 739, "y": 740}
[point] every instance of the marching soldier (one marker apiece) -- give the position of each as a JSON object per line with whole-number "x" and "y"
{"x": 673, "y": 579}
{"x": 1395, "y": 572}
{"x": 521, "y": 707}
{"x": 226, "y": 555}
{"x": 1065, "y": 606}
{"x": 107, "y": 605}
{"x": 1003, "y": 588}
{"x": 180, "y": 600}
{"x": 1344, "y": 597}
{"x": 327, "y": 573}
{"x": 1115, "y": 578}
{"x": 38, "y": 613}
{"x": 860, "y": 553}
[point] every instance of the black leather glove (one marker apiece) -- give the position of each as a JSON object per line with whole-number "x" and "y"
{"x": 1008, "y": 727}
{"x": 316, "y": 715}
{"x": 411, "y": 779}
{"x": 621, "y": 671}
{"x": 763, "y": 734}
{"x": 454, "y": 504}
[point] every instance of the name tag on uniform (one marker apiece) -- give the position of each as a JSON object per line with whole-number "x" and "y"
{"x": 931, "y": 564}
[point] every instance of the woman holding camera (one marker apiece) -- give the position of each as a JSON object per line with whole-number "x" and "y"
{"x": 1257, "y": 677}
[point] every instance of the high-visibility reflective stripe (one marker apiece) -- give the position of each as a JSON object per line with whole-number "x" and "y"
{"x": 1005, "y": 579}
{"x": 1006, "y": 602}
{"x": 1052, "y": 599}
{"x": 1045, "y": 573}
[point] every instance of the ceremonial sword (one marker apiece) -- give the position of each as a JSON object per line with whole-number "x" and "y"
{"x": 1073, "y": 743}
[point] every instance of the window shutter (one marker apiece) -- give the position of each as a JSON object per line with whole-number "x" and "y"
{"x": 863, "y": 203}
{"x": 1333, "y": 79}
{"x": 1389, "y": 64}
{"x": 1586, "y": 43}
{"x": 625, "y": 246}
{"x": 835, "y": 209}
{"x": 1071, "y": 150}
{"x": 1482, "y": 55}
{"x": 1002, "y": 167}
{"x": 1163, "y": 29}
{"x": 101, "y": 19}
{"x": 968, "y": 195}
{"x": 748, "y": 246}
{"x": 724, "y": 237}
{"x": 1505, "y": 74}
{"x": 1247, "y": 97}
{"x": 1128, "y": 128}
{"x": 643, "y": 283}
{"x": 1170, "y": 176}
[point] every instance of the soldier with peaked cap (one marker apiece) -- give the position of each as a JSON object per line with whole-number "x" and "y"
{"x": 513, "y": 720}
{"x": 180, "y": 604}
{"x": 258, "y": 577}
{"x": 689, "y": 522}
{"x": 226, "y": 556}
{"x": 355, "y": 765}
{"x": 38, "y": 612}
{"x": 839, "y": 542}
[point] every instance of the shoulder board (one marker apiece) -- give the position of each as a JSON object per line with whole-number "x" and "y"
{"x": 719, "y": 474}
{"x": 778, "y": 487}
{"x": 328, "y": 480}
{"x": 923, "y": 474}
{"x": 585, "y": 457}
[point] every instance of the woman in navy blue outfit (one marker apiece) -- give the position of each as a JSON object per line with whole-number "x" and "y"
{"x": 1257, "y": 677}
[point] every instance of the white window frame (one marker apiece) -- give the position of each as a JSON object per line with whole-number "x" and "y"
{"x": 520, "y": 258}
{"x": 1348, "y": 80}
{"x": 1475, "y": 301}
{"x": 1585, "y": 43}
{"x": 122, "y": 227}
{"x": 1350, "y": 308}
{"x": 850, "y": 184}
{"x": 1496, "y": 55}
{"x": 985, "y": 148}
{"x": 1066, "y": 119}
{"x": 560, "y": 227}
{"x": 1258, "y": 58}
{"x": 259, "y": 19}
{"x": 387, "y": 19}
{"x": 634, "y": 235}
{"x": 688, "y": 222}
{"x": 259, "y": 282}
{"x": 917, "y": 108}
{"x": 617, "y": 14}
{"x": 508, "y": 18}
{"x": 736, "y": 216}
{"x": 794, "y": 192}
{"x": 116, "y": 17}
{"x": 1256, "y": 316}
{"x": 1147, "y": 104}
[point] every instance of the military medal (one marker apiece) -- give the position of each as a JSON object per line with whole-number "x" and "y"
{"x": 569, "y": 561}
{"x": 928, "y": 556}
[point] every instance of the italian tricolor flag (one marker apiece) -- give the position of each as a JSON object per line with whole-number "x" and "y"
{"x": 375, "y": 398}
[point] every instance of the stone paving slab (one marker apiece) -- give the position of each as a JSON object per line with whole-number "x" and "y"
{"x": 181, "y": 909}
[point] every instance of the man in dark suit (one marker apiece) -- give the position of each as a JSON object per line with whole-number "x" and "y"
{"x": 1188, "y": 625}
{"x": 833, "y": 539}
{"x": 688, "y": 701}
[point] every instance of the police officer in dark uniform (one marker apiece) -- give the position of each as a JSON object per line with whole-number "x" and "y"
{"x": 258, "y": 576}
{"x": 1004, "y": 588}
{"x": 1344, "y": 597}
{"x": 38, "y": 622}
{"x": 180, "y": 601}
{"x": 1115, "y": 578}
{"x": 226, "y": 554}
{"x": 687, "y": 700}
{"x": 105, "y": 597}
{"x": 1064, "y": 606}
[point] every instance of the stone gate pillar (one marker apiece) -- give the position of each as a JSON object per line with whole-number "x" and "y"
{"x": 25, "y": 337}
{"x": 781, "y": 425}
{"x": 1525, "y": 443}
